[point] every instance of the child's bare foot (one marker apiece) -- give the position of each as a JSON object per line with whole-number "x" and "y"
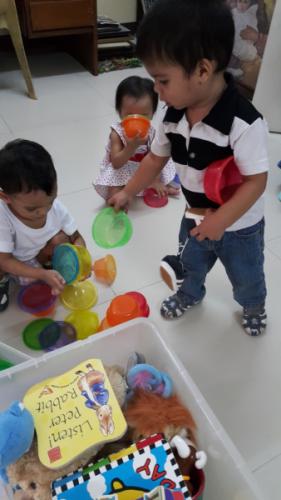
{"x": 159, "y": 187}
{"x": 173, "y": 191}
{"x": 163, "y": 190}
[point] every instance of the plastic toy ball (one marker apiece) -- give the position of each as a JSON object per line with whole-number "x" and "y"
{"x": 152, "y": 199}
{"x": 105, "y": 269}
{"x": 73, "y": 262}
{"x": 221, "y": 180}
{"x": 79, "y": 296}
{"x": 134, "y": 125}
{"x": 148, "y": 378}
{"x": 111, "y": 229}
{"x": 37, "y": 299}
{"x": 86, "y": 323}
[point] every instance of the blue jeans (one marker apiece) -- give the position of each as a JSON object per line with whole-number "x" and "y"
{"x": 241, "y": 253}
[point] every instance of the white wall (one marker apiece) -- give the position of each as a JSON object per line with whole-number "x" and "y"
{"x": 120, "y": 10}
{"x": 267, "y": 96}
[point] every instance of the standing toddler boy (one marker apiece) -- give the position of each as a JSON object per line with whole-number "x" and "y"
{"x": 186, "y": 46}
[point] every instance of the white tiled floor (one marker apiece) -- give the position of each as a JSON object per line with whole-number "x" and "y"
{"x": 239, "y": 376}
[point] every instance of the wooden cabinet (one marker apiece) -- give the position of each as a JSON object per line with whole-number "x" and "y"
{"x": 75, "y": 20}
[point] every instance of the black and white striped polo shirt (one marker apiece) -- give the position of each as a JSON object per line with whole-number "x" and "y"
{"x": 232, "y": 127}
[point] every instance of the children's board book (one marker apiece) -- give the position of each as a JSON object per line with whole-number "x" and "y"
{"x": 73, "y": 413}
{"x": 128, "y": 475}
{"x": 159, "y": 493}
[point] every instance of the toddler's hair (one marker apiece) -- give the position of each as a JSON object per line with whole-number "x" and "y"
{"x": 26, "y": 166}
{"x": 137, "y": 87}
{"x": 185, "y": 31}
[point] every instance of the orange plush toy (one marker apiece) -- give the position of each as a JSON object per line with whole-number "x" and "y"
{"x": 148, "y": 414}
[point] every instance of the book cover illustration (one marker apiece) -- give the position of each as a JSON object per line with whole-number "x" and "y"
{"x": 74, "y": 412}
{"x": 158, "y": 493}
{"x": 127, "y": 475}
{"x": 161, "y": 493}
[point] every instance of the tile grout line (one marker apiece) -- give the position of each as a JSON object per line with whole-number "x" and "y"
{"x": 256, "y": 469}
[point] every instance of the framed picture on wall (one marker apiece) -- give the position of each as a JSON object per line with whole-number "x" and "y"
{"x": 252, "y": 21}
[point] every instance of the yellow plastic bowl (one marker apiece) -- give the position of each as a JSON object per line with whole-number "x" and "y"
{"x": 86, "y": 323}
{"x": 79, "y": 296}
{"x": 85, "y": 262}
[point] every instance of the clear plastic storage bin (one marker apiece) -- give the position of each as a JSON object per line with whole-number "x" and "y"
{"x": 227, "y": 476}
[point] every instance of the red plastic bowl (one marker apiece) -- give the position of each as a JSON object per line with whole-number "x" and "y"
{"x": 152, "y": 199}
{"x": 36, "y": 298}
{"x": 135, "y": 124}
{"x": 198, "y": 479}
{"x": 221, "y": 180}
{"x": 143, "y": 305}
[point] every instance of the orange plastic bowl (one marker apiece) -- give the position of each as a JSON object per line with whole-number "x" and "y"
{"x": 135, "y": 124}
{"x": 121, "y": 309}
{"x": 104, "y": 325}
{"x": 105, "y": 269}
{"x": 47, "y": 312}
{"x": 221, "y": 180}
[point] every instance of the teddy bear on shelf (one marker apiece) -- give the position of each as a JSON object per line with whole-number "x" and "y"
{"x": 149, "y": 413}
{"x": 33, "y": 478}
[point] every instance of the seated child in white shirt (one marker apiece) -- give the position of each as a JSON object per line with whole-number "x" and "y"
{"x": 32, "y": 220}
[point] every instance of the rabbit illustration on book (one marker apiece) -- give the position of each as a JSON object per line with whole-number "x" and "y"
{"x": 91, "y": 386}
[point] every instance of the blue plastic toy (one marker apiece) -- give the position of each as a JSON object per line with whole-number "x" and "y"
{"x": 16, "y": 435}
{"x": 148, "y": 378}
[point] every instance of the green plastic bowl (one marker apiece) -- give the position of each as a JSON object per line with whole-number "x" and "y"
{"x": 111, "y": 229}
{"x": 4, "y": 364}
{"x": 31, "y": 333}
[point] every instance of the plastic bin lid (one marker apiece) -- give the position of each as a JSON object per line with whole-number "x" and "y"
{"x": 65, "y": 261}
{"x": 31, "y": 333}
{"x": 111, "y": 229}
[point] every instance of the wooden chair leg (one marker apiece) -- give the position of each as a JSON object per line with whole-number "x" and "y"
{"x": 14, "y": 29}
